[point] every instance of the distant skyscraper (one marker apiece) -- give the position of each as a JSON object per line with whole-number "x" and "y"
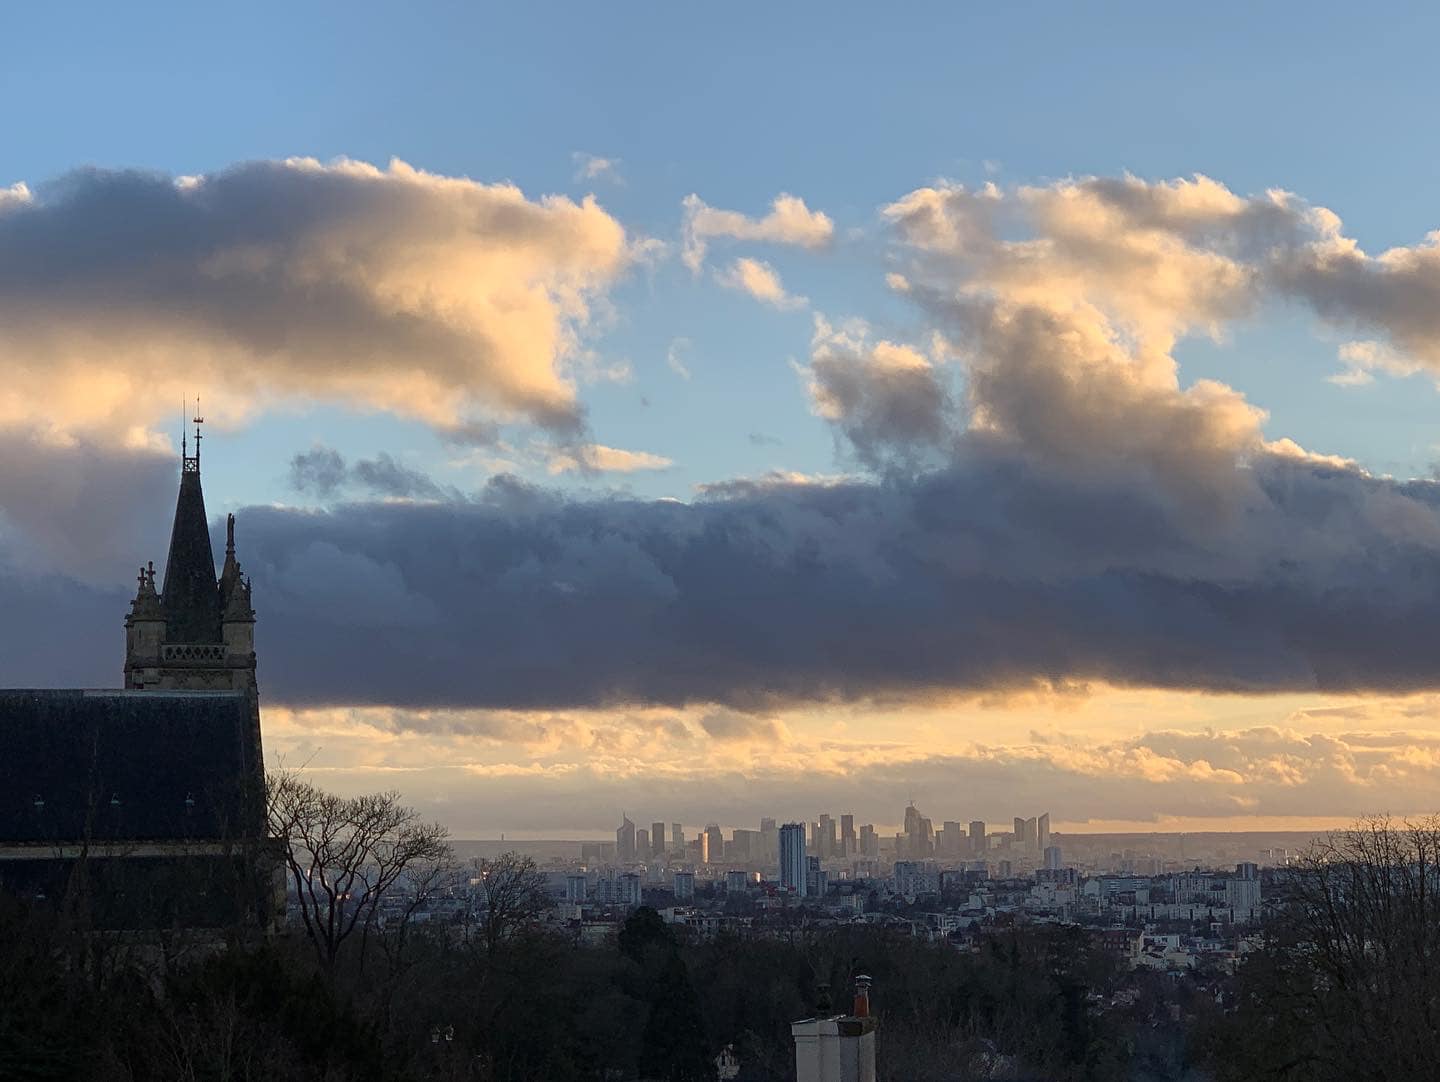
{"x": 684, "y": 886}
{"x": 575, "y": 889}
{"x": 1052, "y": 858}
{"x": 642, "y": 844}
{"x": 1031, "y": 827}
{"x": 745, "y": 845}
{"x": 826, "y": 842}
{"x": 848, "y": 848}
{"x": 657, "y": 840}
{"x": 792, "y": 858}
{"x": 625, "y": 840}
{"x": 629, "y": 892}
{"x": 715, "y": 850}
{"x": 677, "y": 839}
{"x": 1019, "y": 835}
{"x": 869, "y": 841}
{"x": 1042, "y": 832}
{"x": 947, "y": 842}
{"x": 977, "y": 836}
{"x": 919, "y": 835}
{"x": 734, "y": 882}
{"x": 769, "y": 840}
{"x": 702, "y": 847}
{"x": 817, "y": 880}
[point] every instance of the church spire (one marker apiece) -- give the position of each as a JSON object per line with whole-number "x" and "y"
{"x": 190, "y": 594}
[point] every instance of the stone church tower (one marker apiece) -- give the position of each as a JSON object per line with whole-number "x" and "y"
{"x": 144, "y": 809}
{"x": 197, "y": 633}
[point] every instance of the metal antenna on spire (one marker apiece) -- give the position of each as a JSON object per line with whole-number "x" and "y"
{"x": 189, "y": 463}
{"x": 199, "y": 420}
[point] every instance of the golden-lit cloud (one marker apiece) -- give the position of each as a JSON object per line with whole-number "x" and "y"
{"x": 790, "y": 221}
{"x": 433, "y": 297}
{"x": 1315, "y": 762}
{"x": 598, "y": 457}
{"x": 761, "y": 281}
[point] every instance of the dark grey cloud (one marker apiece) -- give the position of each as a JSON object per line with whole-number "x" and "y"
{"x": 986, "y": 575}
{"x": 323, "y": 472}
{"x": 318, "y": 471}
{"x": 74, "y": 505}
{"x": 995, "y": 572}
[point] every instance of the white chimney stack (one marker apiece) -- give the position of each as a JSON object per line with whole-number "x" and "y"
{"x": 839, "y": 1048}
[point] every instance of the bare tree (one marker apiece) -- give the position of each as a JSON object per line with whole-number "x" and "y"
{"x": 1348, "y": 983}
{"x": 345, "y": 854}
{"x": 515, "y": 892}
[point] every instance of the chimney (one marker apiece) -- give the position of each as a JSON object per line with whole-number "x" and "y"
{"x": 837, "y": 1048}
{"x": 862, "y": 997}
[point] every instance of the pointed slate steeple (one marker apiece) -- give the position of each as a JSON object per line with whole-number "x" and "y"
{"x": 190, "y": 594}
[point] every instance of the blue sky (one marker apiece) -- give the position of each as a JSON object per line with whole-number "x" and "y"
{"x": 839, "y": 104}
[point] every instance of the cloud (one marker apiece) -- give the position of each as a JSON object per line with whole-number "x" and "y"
{"x": 572, "y": 771}
{"x": 790, "y": 221}
{"x": 675, "y": 357}
{"x": 731, "y": 727}
{"x": 323, "y": 472}
{"x": 1167, "y": 258}
{"x": 385, "y": 476}
{"x": 759, "y": 279}
{"x": 1064, "y": 511}
{"x": 320, "y": 470}
{"x": 989, "y": 574}
{"x": 598, "y": 457}
{"x": 591, "y": 167}
{"x": 886, "y": 399}
{"x": 1363, "y": 359}
{"x": 428, "y": 296}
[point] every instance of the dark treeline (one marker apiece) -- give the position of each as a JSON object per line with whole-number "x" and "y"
{"x": 1345, "y": 984}
{"x": 538, "y": 1006}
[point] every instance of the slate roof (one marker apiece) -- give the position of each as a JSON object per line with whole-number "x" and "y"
{"x": 119, "y": 766}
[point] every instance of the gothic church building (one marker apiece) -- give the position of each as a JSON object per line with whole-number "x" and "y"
{"x": 144, "y": 808}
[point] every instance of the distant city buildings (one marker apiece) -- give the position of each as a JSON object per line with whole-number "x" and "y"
{"x": 625, "y": 840}
{"x": 793, "y": 866}
{"x": 714, "y": 844}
